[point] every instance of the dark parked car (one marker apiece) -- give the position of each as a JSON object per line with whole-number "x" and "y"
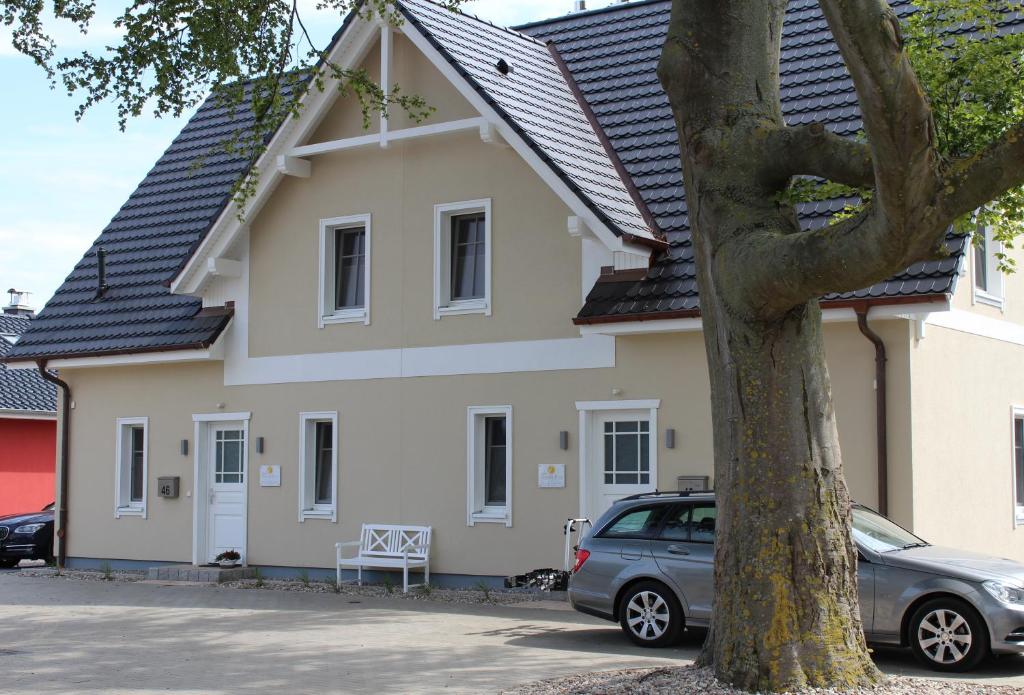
{"x": 26, "y": 537}
{"x": 648, "y": 565}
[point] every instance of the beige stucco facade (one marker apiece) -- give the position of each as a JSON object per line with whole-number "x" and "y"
{"x": 402, "y": 446}
{"x": 402, "y": 383}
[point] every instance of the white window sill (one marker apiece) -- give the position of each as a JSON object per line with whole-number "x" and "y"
{"x": 475, "y": 306}
{"x": 129, "y": 511}
{"x": 345, "y": 316}
{"x": 983, "y": 297}
{"x": 1020, "y": 517}
{"x": 325, "y": 514}
{"x": 489, "y": 517}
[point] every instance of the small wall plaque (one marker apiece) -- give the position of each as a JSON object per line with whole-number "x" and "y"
{"x": 551, "y": 475}
{"x": 270, "y": 476}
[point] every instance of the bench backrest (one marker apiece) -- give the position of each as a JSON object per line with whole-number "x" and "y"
{"x": 380, "y": 540}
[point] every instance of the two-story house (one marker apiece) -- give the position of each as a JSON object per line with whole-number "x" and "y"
{"x": 486, "y": 322}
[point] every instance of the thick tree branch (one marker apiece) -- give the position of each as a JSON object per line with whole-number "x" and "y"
{"x": 976, "y": 180}
{"x": 811, "y": 150}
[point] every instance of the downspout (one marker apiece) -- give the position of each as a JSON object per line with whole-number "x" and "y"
{"x": 65, "y": 439}
{"x": 881, "y": 428}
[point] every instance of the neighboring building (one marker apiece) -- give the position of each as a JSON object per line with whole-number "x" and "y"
{"x": 28, "y": 423}
{"x": 397, "y": 324}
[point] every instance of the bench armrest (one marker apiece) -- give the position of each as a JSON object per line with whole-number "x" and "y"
{"x": 350, "y": 544}
{"x": 418, "y": 549}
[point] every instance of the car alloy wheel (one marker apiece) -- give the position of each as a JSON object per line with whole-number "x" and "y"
{"x": 651, "y": 615}
{"x": 647, "y": 615}
{"x": 944, "y": 636}
{"x": 948, "y": 635}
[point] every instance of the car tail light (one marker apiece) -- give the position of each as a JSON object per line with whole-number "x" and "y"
{"x": 581, "y": 557}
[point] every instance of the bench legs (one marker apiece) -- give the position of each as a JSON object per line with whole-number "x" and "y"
{"x": 360, "y": 575}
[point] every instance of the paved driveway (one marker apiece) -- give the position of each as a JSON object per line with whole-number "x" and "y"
{"x": 67, "y": 636}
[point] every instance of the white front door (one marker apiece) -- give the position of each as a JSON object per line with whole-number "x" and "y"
{"x": 226, "y": 521}
{"x": 622, "y": 464}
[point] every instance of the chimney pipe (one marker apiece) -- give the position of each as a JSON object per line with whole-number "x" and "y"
{"x": 580, "y": 6}
{"x": 101, "y": 265}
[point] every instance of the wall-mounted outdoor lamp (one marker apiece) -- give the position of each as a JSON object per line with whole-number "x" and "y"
{"x": 259, "y": 445}
{"x": 670, "y": 439}
{"x": 184, "y": 447}
{"x": 563, "y": 440}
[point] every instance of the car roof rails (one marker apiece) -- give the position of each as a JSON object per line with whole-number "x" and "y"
{"x": 667, "y": 493}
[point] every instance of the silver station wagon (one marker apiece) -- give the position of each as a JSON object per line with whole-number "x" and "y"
{"x": 648, "y": 565}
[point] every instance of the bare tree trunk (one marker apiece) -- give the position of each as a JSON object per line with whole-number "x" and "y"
{"x": 786, "y": 610}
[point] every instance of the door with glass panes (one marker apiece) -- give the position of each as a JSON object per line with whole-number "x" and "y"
{"x": 622, "y": 465}
{"x": 227, "y": 489}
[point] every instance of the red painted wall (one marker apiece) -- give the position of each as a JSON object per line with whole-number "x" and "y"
{"x": 28, "y": 451}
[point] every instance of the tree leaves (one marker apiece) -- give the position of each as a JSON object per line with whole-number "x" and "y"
{"x": 255, "y": 56}
{"x": 972, "y": 70}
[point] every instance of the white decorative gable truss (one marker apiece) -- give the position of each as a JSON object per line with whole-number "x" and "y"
{"x": 285, "y": 156}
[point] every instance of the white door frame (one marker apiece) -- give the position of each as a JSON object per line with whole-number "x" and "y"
{"x": 587, "y": 411}
{"x": 201, "y": 477}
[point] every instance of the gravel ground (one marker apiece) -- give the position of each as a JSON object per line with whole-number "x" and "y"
{"x": 81, "y": 575}
{"x": 461, "y": 596}
{"x": 691, "y": 680}
{"x": 467, "y": 596}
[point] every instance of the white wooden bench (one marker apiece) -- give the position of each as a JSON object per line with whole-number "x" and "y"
{"x": 389, "y": 546}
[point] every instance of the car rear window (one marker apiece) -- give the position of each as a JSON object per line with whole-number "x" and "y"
{"x": 642, "y": 522}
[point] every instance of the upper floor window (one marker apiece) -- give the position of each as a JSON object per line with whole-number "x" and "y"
{"x": 988, "y": 280}
{"x": 345, "y": 270}
{"x": 462, "y": 258}
{"x": 132, "y": 464}
{"x": 319, "y": 458}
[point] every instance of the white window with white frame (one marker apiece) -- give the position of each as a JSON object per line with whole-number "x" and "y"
{"x": 988, "y": 279}
{"x": 489, "y": 465}
{"x": 1018, "y": 466}
{"x": 345, "y": 270}
{"x": 318, "y": 452}
{"x": 462, "y": 258}
{"x": 130, "y": 483}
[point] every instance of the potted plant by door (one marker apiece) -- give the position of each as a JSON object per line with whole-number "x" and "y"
{"x": 229, "y": 558}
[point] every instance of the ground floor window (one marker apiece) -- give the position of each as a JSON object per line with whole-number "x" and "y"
{"x": 1018, "y": 464}
{"x": 489, "y": 465}
{"x": 318, "y": 487}
{"x": 132, "y": 463}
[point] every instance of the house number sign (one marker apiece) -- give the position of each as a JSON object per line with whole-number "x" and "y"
{"x": 270, "y": 476}
{"x": 551, "y": 475}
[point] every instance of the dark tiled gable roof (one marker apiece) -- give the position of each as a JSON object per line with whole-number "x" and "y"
{"x": 613, "y": 54}
{"x": 146, "y": 243}
{"x": 536, "y": 100}
{"x": 22, "y": 389}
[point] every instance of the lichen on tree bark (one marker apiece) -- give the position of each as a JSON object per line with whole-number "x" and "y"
{"x": 786, "y": 609}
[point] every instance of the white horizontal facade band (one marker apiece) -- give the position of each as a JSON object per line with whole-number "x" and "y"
{"x": 588, "y": 352}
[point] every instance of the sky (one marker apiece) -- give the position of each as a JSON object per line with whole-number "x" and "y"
{"x": 62, "y": 180}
